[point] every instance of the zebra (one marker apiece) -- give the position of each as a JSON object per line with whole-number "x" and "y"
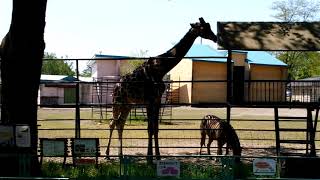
{"x": 223, "y": 132}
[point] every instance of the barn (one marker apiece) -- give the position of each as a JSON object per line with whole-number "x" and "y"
{"x": 61, "y": 90}
{"x": 207, "y": 69}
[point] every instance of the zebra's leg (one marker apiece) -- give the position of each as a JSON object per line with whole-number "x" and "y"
{"x": 208, "y": 145}
{"x": 219, "y": 150}
{"x": 202, "y": 142}
{"x": 223, "y": 142}
{"x": 220, "y": 144}
{"x": 228, "y": 148}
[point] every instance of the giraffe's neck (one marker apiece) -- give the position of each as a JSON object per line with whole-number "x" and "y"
{"x": 175, "y": 54}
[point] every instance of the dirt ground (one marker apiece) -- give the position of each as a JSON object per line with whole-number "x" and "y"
{"x": 252, "y": 111}
{"x": 192, "y": 145}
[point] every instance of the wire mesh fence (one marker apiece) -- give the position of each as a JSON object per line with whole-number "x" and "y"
{"x": 179, "y": 135}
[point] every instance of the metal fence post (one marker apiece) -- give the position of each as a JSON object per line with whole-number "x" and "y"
{"x": 77, "y": 118}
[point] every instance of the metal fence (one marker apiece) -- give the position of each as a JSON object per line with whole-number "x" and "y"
{"x": 77, "y": 120}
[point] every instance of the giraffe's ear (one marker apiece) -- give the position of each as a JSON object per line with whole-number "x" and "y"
{"x": 192, "y": 25}
{"x": 202, "y": 20}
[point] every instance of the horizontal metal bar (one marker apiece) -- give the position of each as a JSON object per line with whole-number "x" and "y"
{"x": 292, "y": 130}
{"x": 295, "y": 141}
{"x": 179, "y": 120}
{"x": 144, "y": 129}
{"x": 131, "y": 58}
{"x": 291, "y": 117}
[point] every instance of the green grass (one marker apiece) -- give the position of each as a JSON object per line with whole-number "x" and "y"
{"x": 188, "y": 170}
{"x": 54, "y": 169}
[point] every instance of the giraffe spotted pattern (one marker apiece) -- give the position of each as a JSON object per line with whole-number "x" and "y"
{"x": 145, "y": 86}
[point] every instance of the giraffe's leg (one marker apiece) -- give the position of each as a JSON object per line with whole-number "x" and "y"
{"x": 113, "y": 122}
{"x": 156, "y": 140}
{"x": 151, "y": 129}
{"x": 120, "y": 125}
{"x": 203, "y": 141}
{"x": 156, "y": 128}
{"x": 150, "y": 134}
{"x": 111, "y": 126}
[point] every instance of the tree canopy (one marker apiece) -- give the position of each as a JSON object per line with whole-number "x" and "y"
{"x": 54, "y": 66}
{"x": 301, "y": 64}
{"x": 87, "y": 72}
{"x": 130, "y": 65}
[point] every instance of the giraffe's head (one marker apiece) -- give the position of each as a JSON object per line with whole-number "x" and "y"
{"x": 204, "y": 30}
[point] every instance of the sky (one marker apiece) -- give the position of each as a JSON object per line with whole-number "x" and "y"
{"x": 82, "y": 28}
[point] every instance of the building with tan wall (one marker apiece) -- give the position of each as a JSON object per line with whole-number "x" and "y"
{"x": 201, "y": 77}
{"x": 61, "y": 90}
{"x": 105, "y": 72}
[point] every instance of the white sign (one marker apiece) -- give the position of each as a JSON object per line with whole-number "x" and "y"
{"x": 264, "y": 166}
{"x": 6, "y": 136}
{"x": 85, "y": 147}
{"x": 53, "y": 147}
{"x": 23, "y": 137}
{"x": 168, "y": 168}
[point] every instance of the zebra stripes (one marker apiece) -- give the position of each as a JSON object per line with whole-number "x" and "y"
{"x": 219, "y": 130}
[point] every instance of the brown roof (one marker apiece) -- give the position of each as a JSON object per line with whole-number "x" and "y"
{"x": 269, "y": 36}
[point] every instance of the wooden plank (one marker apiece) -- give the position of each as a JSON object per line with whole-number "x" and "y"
{"x": 273, "y": 36}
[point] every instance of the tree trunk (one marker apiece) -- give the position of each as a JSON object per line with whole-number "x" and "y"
{"x": 21, "y": 55}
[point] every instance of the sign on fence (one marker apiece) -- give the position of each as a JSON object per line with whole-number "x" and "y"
{"x": 84, "y": 149}
{"x": 23, "y": 136}
{"x": 168, "y": 168}
{"x": 54, "y": 147}
{"x": 15, "y": 136}
{"x": 6, "y": 136}
{"x": 263, "y": 166}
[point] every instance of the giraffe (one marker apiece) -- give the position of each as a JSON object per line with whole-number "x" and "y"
{"x": 145, "y": 86}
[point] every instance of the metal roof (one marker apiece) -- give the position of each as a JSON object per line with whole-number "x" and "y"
{"x": 105, "y": 57}
{"x": 199, "y": 50}
{"x": 253, "y": 57}
{"x": 263, "y": 58}
{"x": 62, "y": 78}
{"x": 109, "y": 57}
